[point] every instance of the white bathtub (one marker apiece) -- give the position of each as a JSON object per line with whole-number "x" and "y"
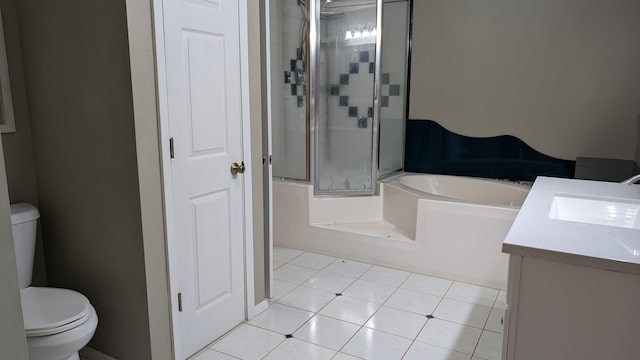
{"x": 444, "y": 226}
{"x": 471, "y": 190}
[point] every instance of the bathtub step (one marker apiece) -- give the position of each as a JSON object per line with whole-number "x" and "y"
{"x": 377, "y": 228}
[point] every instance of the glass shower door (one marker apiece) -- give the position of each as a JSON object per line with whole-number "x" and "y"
{"x": 344, "y": 112}
{"x": 288, "y": 106}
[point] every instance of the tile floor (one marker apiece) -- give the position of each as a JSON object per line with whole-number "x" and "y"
{"x": 329, "y": 308}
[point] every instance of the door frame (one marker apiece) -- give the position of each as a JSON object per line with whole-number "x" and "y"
{"x": 251, "y": 309}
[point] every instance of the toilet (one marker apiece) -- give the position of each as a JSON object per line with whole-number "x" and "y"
{"x": 57, "y": 322}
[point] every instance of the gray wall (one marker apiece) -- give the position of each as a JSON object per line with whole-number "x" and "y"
{"x": 255, "y": 98}
{"x": 12, "y": 340}
{"x": 143, "y": 83}
{"x": 560, "y": 74}
{"x": 76, "y": 66}
{"x": 18, "y": 153}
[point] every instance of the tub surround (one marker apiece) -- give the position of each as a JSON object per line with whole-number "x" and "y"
{"x": 430, "y": 148}
{"x": 534, "y": 233}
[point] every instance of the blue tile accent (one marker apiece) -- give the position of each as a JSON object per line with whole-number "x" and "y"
{"x": 334, "y": 90}
{"x": 354, "y": 68}
{"x": 293, "y": 66}
{"x": 394, "y": 90}
{"x": 287, "y": 77}
{"x": 384, "y": 101}
{"x": 370, "y": 112}
{"x": 385, "y": 78}
{"x": 364, "y": 56}
{"x": 299, "y": 54}
{"x": 294, "y": 90}
{"x": 430, "y": 148}
{"x": 344, "y": 79}
{"x": 362, "y": 122}
{"x": 344, "y": 101}
{"x": 372, "y": 68}
{"x": 300, "y": 101}
{"x": 353, "y": 111}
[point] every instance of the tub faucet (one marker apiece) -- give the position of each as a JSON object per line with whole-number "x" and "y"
{"x": 631, "y": 180}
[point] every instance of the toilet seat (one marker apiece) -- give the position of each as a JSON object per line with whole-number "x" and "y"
{"x": 49, "y": 311}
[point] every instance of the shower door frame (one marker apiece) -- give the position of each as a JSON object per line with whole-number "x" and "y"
{"x": 313, "y": 106}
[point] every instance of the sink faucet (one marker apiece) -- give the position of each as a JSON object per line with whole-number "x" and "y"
{"x": 631, "y": 180}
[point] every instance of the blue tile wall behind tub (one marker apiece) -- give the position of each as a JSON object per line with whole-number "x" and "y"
{"x": 430, "y": 148}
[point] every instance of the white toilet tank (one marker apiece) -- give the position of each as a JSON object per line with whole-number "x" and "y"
{"x": 24, "y": 222}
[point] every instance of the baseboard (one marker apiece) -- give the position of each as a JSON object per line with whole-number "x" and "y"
{"x": 87, "y": 353}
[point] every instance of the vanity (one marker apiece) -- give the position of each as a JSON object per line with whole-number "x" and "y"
{"x": 574, "y": 273}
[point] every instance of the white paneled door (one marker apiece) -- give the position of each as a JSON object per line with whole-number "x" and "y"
{"x": 202, "y": 56}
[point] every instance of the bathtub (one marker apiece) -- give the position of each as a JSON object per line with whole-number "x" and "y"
{"x": 445, "y": 226}
{"x": 470, "y": 190}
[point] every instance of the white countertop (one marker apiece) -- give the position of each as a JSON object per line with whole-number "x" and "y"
{"x": 534, "y": 233}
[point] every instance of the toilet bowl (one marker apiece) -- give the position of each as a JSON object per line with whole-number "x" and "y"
{"x": 58, "y": 322}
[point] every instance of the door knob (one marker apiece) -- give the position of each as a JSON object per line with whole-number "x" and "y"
{"x": 237, "y": 168}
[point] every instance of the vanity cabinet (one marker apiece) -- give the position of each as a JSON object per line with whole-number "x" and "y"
{"x": 573, "y": 290}
{"x": 564, "y": 311}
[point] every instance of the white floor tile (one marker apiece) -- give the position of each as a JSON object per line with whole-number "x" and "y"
{"x": 294, "y": 349}
{"x": 343, "y": 356}
{"x": 248, "y": 342}
{"x": 209, "y": 354}
{"x": 307, "y": 298}
{"x": 281, "y": 319}
{"x": 450, "y": 335}
{"x": 501, "y": 301}
{"x": 281, "y": 288}
{"x": 277, "y": 264}
{"x": 376, "y": 345}
{"x": 397, "y": 322}
{"x": 347, "y": 268}
{"x": 489, "y": 346}
{"x": 472, "y": 294}
{"x": 327, "y": 332}
{"x": 348, "y": 309}
{"x": 293, "y": 274}
{"x": 368, "y": 291}
{"x": 385, "y": 276}
{"x": 495, "y": 321}
{"x": 462, "y": 312}
{"x": 329, "y": 282}
{"x": 421, "y": 351}
{"x": 427, "y": 284}
{"x": 284, "y": 254}
{"x": 412, "y": 301}
{"x": 313, "y": 261}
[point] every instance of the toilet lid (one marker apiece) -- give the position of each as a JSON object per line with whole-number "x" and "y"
{"x": 50, "y": 311}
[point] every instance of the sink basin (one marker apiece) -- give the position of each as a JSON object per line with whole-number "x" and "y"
{"x": 596, "y": 210}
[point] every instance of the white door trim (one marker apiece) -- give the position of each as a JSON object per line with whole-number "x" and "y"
{"x": 267, "y": 28}
{"x": 250, "y": 308}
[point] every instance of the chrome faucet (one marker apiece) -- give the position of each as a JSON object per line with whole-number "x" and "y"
{"x": 631, "y": 180}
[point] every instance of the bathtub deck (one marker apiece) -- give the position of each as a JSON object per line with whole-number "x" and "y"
{"x": 378, "y": 228}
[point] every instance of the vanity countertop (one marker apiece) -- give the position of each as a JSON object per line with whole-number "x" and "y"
{"x": 534, "y": 233}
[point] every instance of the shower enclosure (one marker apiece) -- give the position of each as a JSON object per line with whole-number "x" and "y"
{"x": 338, "y": 91}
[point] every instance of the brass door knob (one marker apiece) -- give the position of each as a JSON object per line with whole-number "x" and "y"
{"x": 237, "y": 168}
